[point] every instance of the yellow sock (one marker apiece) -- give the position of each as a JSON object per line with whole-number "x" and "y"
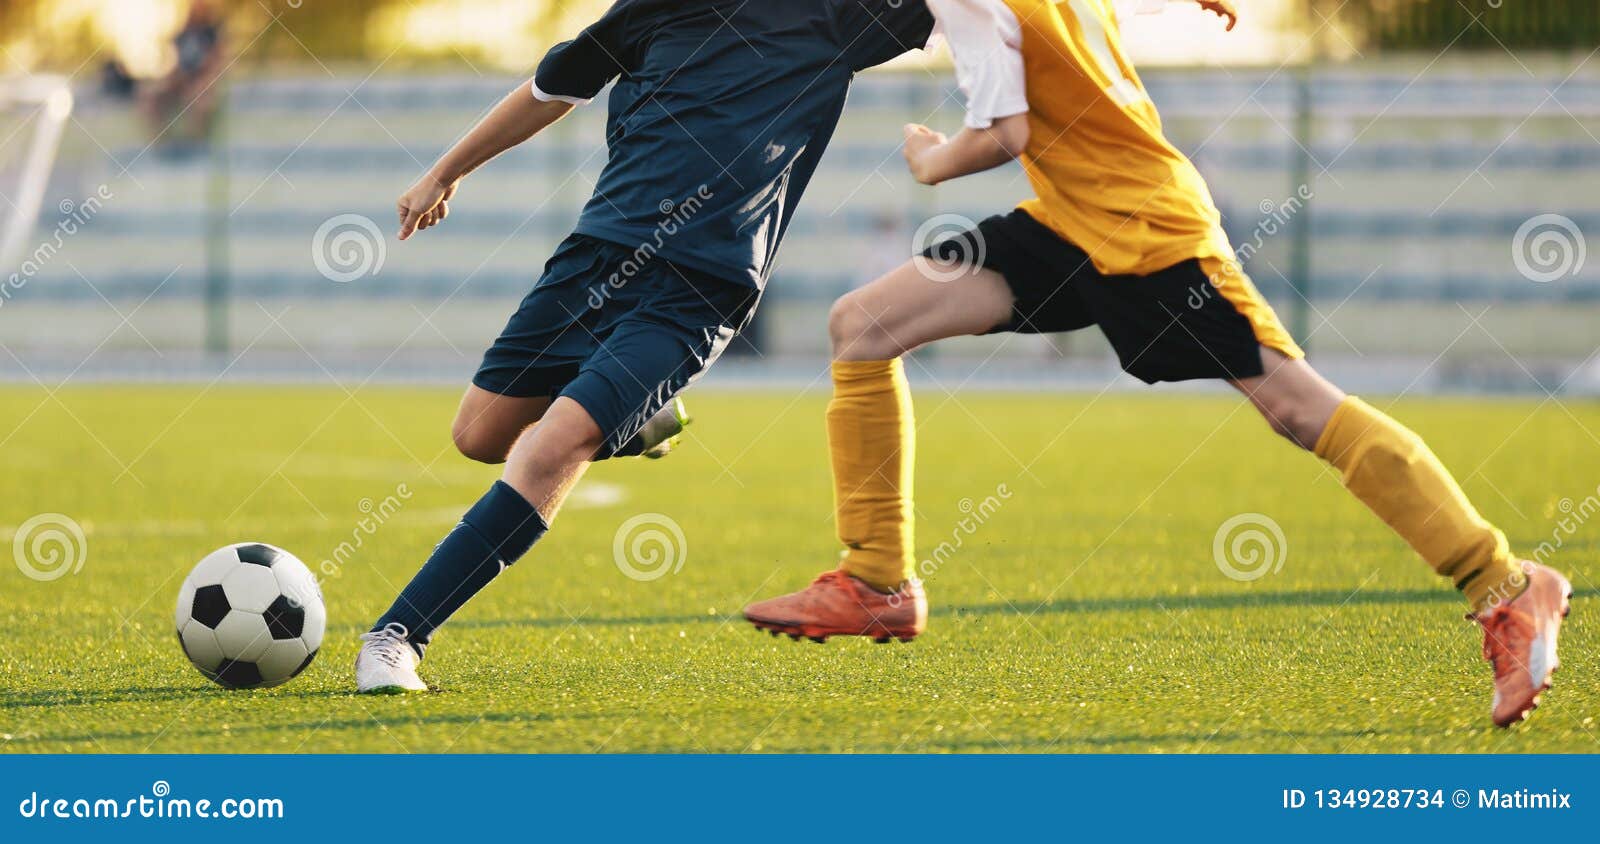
{"x": 872, "y": 437}
{"x": 1394, "y": 473}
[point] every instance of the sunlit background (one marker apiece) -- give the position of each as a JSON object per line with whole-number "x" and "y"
{"x": 503, "y": 34}
{"x": 1410, "y": 182}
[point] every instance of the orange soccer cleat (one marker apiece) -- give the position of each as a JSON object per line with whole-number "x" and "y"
{"x": 1519, "y": 640}
{"x": 837, "y": 604}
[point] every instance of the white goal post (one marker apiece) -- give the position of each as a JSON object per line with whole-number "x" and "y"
{"x": 36, "y": 109}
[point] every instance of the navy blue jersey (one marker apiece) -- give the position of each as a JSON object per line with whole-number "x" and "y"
{"x": 720, "y": 112}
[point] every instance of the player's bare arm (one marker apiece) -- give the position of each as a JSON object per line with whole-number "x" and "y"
{"x": 934, "y": 158}
{"x": 516, "y": 118}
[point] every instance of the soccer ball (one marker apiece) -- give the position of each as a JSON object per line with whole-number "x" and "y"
{"x": 250, "y": 616}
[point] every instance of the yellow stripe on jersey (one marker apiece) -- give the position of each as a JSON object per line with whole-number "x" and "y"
{"x": 1105, "y": 176}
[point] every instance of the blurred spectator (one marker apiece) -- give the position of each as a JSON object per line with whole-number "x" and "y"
{"x": 116, "y": 82}
{"x": 181, "y": 106}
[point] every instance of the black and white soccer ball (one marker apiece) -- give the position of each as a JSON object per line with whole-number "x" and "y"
{"x": 250, "y": 616}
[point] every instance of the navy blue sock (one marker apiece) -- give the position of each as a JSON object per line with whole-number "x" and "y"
{"x": 495, "y": 533}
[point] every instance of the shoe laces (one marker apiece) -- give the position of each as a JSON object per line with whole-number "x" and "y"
{"x": 833, "y": 577}
{"x": 1505, "y": 632}
{"x": 387, "y": 645}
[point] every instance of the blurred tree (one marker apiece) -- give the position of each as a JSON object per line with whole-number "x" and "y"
{"x": 1469, "y": 24}
{"x": 330, "y": 31}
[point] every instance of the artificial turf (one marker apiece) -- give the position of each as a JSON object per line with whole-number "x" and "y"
{"x": 1080, "y": 610}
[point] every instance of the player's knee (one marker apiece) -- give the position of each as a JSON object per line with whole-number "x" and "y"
{"x": 844, "y": 322}
{"x": 1294, "y": 418}
{"x": 567, "y": 436}
{"x": 474, "y": 445}
{"x": 853, "y": 330}
{"x": 577, "y": 445}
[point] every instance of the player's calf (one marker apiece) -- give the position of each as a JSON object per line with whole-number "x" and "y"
{"x": 1519, "y": 604}
{"x": 496, "y": 532}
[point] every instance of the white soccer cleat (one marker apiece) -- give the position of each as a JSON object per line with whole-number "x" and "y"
{"x": 663, "y": 431}
{"x": 387, "y": 664}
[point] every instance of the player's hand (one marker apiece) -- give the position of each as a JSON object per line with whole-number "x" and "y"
{"x": 920, "y": 139}
{"x": 1222, "y": 9}
{"x": 425, "y": 205}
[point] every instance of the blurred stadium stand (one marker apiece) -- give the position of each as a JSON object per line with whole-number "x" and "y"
{"x": 1420, "y": 175}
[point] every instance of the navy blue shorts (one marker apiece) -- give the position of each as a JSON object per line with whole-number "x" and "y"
{"x": 617, "y": 330}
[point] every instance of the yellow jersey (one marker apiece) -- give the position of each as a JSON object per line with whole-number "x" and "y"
{"x": 1104, "y": 175}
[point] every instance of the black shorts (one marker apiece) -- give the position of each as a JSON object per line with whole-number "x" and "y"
{"x": 1190, "y": 320}
{"x": 618, "y": 332}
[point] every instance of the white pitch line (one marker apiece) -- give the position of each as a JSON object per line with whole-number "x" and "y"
{"x": 590, "y": 495}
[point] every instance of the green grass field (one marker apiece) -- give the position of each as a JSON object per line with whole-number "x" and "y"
{"x": 1085, "y": 613}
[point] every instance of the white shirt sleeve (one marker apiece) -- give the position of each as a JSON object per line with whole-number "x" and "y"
{"x": 986, "y": 42}
{"x": 543, "y": 97}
